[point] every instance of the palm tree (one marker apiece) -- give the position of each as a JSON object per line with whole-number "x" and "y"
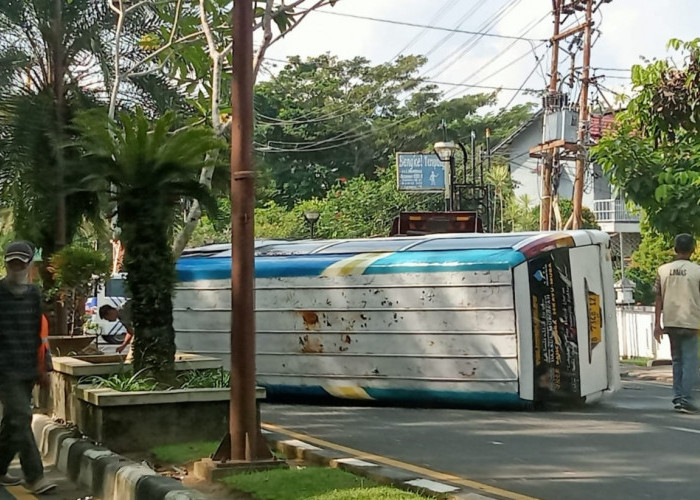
{"x": 56, "y": 58}
{"x": 499, "y": 178}
{"x": 151, "y": 168}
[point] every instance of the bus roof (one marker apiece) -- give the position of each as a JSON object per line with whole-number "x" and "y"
{"x": 431, "y": 253}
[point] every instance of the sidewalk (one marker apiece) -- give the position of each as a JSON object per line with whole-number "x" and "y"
{"x": 663, "y": 374}
{"x": 64, "y": 491}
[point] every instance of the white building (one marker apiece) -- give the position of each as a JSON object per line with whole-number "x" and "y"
{"x": 598, "y": 194}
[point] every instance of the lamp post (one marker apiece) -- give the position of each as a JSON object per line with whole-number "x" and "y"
{"x": 312, "y": 218}
{"x": 445, "y": 151}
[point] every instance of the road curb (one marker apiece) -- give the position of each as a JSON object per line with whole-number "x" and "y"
{"x": 104, "y": 473}
{"x": 296, "y": 448}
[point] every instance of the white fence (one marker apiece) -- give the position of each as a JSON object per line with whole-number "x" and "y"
{"x": 635, "y": 326}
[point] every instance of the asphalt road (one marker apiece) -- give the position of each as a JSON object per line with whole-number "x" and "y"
{"x": 631, "y": 446}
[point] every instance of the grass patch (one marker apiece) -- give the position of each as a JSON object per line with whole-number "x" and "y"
{"x": 636, "y": 361}
{"x": 313, "y": 483}
{"x": 184, "y": 452}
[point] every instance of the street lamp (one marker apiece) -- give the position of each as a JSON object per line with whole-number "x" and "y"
{"x": 445, "y": 151}
{"x": 312, "y": 217}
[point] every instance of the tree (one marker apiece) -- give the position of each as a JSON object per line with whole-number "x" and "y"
{"x": 357, "y": 208}
{"x": 193, "y": 46}
{"x": 54, "y": 57}
{"x": 152, "y": 167}
{"x": 653, "y": 152}
{"x": 322, "y": 118}
{"x": 499, "y": 178}
{"x": 74, "y": 268}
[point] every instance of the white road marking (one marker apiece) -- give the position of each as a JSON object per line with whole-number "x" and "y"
{"x": 683, "y": 429}
{"x": 432, "y": 485}
{"x": 300, "y": 444}
{"x": 356, "y": 462}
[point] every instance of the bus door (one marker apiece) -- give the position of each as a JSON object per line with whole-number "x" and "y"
{"x": 590, "y": 321}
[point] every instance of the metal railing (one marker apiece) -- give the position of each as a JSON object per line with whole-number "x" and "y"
{"x": 613, "y": 210}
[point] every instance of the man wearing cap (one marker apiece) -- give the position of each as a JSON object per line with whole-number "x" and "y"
{"x": 20, "y": 343}
{"x": 678, "y": 301}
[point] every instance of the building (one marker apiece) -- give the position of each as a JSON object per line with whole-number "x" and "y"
{"x": 598, "y": 194}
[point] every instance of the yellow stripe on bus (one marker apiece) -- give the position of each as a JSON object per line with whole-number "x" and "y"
{"x": 347, "y": 392}
{"x": 352, "y": 265}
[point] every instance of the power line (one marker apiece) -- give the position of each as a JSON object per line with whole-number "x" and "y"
{"x": 440, "y": 12}
{"x": 475, "y": 86}
{"x": 426, "y": 26}
{"x": 613, "y": 69}
{"x": 472, "y": 41}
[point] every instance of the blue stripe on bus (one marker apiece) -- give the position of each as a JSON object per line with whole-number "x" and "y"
{"x": 213, "y": 268}
{"x": 445, "y": 261}
{"x": 474, "y": 399}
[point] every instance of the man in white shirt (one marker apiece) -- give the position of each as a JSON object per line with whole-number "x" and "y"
{"x": 678, "y": 299}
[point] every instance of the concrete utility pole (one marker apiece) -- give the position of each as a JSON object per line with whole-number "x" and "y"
{"x": 583, "y": 122}
{"x": 243, "y": 422}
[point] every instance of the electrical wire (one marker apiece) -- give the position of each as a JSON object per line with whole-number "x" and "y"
{"x": 440, "y": 12}
{"x": 324, "y": 144}
{"x": 494, "y": 18}
{"x": 426, "y": 26}
{"x": 471, "y": 42}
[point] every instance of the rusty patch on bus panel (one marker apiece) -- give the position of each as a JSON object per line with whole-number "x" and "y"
{"x": 310, "y": 345}
{"x": 310, "y": 320}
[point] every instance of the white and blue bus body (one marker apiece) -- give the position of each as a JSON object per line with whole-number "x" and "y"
{"x": 472, "y": 319}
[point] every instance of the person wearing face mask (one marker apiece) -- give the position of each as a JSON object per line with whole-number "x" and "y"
{"x": 20, "y": 344}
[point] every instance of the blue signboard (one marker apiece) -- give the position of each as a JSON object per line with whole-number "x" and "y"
{"x": 420, "y": 172}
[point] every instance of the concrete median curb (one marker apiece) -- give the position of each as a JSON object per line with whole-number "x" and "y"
{"x": 104, "y": 473}
{"x": 294, "y": 447}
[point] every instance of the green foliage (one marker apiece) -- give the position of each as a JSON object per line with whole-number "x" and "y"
{"x": 273, "y": 221}
{"x": 152, "y": 167}
{"x": 72, "y": 270}
{"x": 322, "y": 119}
{"x": 183, "y": 453}
{"x": 124, "y": 382}
{"x": 313, "y": 483}
{"x": 128, "y": 381}
{"x": 205, "y": 379}
{"x": 75, "y": 267}
{"x": 653, "y": 152}
{"x": 359, "y": 207}
{"x": 654, "y": 250}
{"x": 566, "y": 208}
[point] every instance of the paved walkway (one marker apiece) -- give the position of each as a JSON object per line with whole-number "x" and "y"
{"x": 65, "y": 490}
{"x": 663, "y": 373}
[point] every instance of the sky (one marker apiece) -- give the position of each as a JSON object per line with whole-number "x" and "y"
{"x": 629, "y": 29}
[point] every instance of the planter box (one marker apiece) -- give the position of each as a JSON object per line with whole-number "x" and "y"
{"x": 61, "y": 401}
{"x": 64, "y": 345}
{"x": 137, "y": 421}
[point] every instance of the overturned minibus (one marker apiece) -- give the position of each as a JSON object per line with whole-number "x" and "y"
{"x": 466, "y": 319}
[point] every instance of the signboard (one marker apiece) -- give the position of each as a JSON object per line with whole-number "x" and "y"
{"x": 420, "y": 172}
{"x": 555, "y": 338}
{"x": 595, "y": 321}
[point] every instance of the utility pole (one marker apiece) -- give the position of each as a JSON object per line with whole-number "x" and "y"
{"x": 583, "y": 123}
{"x": 59, "y": 102}
{"x": 243, "y": 422}
{"x": 550, "y": 149}
{"x": 549, "y": 101}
